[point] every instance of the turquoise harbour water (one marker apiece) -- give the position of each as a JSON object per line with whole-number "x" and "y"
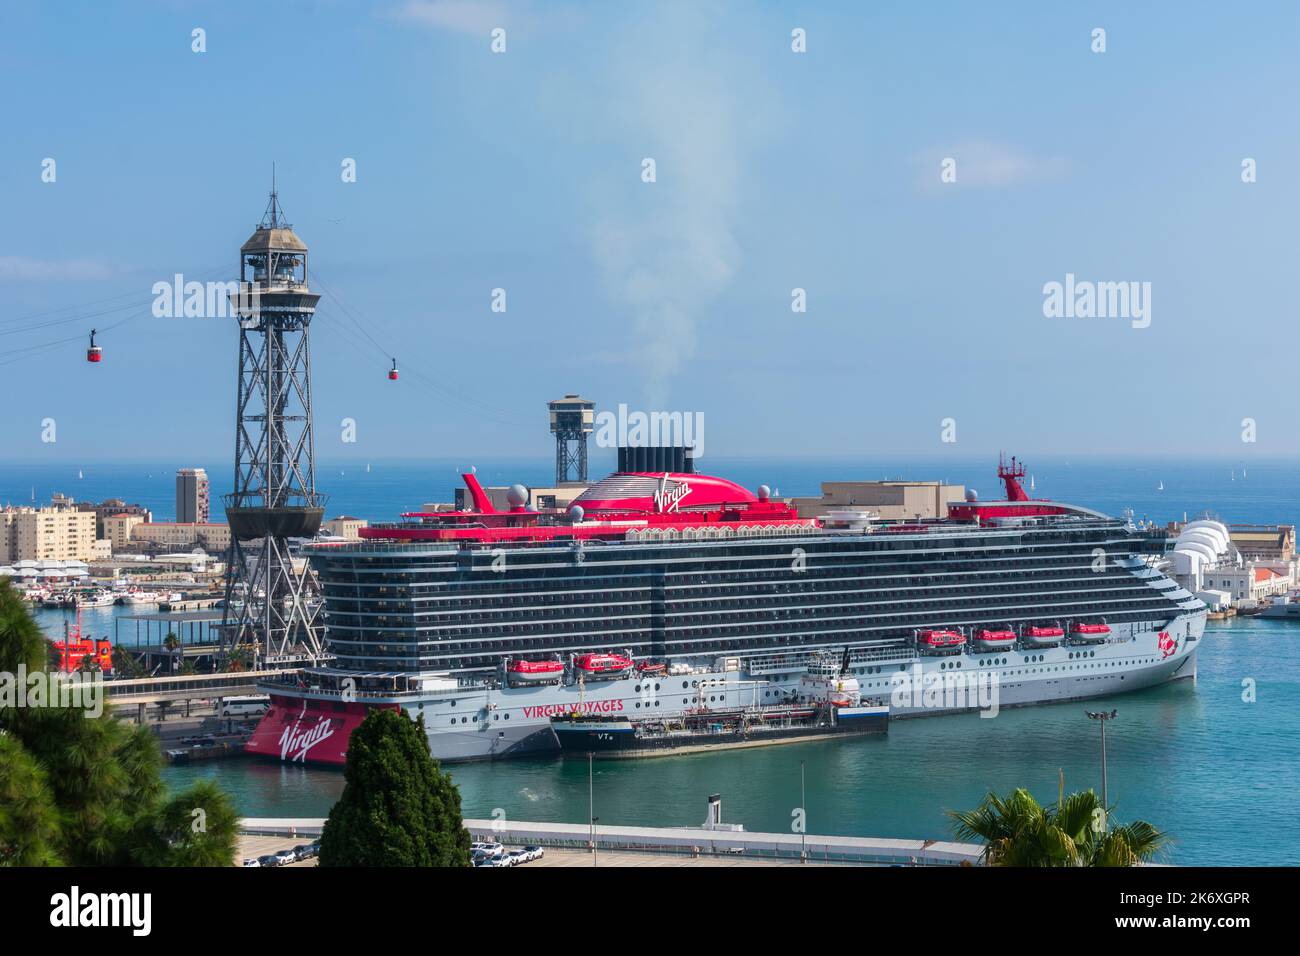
{"x": 1216, "y": 772}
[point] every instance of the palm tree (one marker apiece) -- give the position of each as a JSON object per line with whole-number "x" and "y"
{"x": 1017, "y": 831}
{"x": 172, "y": 642}
{"x": 125, "y": 663}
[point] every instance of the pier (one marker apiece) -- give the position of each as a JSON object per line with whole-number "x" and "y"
{"x": 673, "y": 846}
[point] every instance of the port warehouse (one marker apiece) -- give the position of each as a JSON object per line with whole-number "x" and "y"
{"x": 682, "y": 840}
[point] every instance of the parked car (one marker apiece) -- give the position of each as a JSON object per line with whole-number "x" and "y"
{"x": 251, "y": 862}
{"x": 269, "y": 860}
{"x": 534, "y": 852}
{"x": 286, "y": 857}
{"x": 517, "y": 857}
{"x": 304, "y": 851}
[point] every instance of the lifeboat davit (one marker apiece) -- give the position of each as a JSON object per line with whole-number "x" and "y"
{"x": 604, "y": 665}
{"x": 991, "y": 640}
{"x": 1044, "y": 636}
{"x": 534, "y": 672}
{"x": 1090, "y": 633}
{"x": 941, "y": 641}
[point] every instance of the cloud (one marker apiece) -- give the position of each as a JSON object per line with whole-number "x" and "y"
{"x": 21, "y": 268}
{"x": 459, "y": 16}
{"x": 983, "y": 163}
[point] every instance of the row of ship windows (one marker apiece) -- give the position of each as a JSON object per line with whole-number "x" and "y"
{"x": 720, "y": 574}
{"x": 718, "y": 599}
{"x": 342, "y": 629}
{"x": 735, "y": 610}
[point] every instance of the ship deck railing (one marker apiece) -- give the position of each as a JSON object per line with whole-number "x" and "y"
{"x": 318, "y": 690}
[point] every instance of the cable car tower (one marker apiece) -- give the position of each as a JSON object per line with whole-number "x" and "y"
{"x": 271, "y": 606}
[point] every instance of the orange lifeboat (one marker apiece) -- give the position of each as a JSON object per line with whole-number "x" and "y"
{"x": 1044, "y": 636}
{"x": 1090, "y": 633}
{"x": 995, "y": 640}
{"x": 534, "y": 672}
{"x": 604, "y": 665}
{"x": 940, "y": 641}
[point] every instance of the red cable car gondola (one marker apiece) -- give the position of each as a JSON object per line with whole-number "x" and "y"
{"x": 94, "y": 353}
{"x": 392, "y": 373}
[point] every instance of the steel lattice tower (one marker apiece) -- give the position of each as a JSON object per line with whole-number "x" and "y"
{"x": 271, "y": 607}
{"x": 572, "y": 419}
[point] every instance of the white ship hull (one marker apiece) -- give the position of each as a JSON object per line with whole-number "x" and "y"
{"x": 1132, "y": 660}
{"x": 483, "y": 723}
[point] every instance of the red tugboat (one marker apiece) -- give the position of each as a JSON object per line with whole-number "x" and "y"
{"x": 74, "y": 650}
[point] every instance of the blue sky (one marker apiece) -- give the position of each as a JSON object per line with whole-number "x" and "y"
{"x": 775, "y": 171}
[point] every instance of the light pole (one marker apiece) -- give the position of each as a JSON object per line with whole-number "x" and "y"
{"x": 1102, "y": 716}
{"x": 803, "y": 806}
{"x": 591, "y": 806}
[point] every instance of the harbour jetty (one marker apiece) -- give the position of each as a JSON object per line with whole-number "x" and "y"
{"x": 673, "y": 843}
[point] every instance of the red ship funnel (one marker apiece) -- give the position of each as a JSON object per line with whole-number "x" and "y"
{"x": 482, "y": 503}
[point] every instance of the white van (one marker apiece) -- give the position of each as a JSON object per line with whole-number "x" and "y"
{"x": 243, "y": 706}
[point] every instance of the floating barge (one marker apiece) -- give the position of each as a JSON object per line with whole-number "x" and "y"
{"x": 704, "y": 730}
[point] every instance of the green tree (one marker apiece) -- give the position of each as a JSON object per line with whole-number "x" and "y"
{"x": 80, "y": 788}
{"x": 398, "y": 807}
{"x": 28, "y": 816}
{"x": 21, "y": 640}
{"x": 197, "y": 828}
{"x": 125, "y": 664}
{"x": 1017, "y": 831}
{"x": 172, "y": 643}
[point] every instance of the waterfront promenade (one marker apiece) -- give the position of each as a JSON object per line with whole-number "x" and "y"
{"x": 651, "y": 846}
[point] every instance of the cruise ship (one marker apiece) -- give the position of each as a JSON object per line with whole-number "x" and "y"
{"x": 667, "y": 592}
